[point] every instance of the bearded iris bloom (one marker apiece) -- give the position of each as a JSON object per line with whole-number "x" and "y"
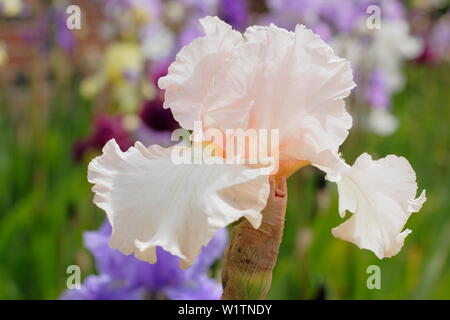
{"x": 267, "y": 78}
{"x": 124, "y": 277}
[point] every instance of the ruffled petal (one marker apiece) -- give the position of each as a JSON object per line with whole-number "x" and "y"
{"x": 210, "y": 253}
{"x": 150, "y": 200}
{"x": 288, "y": 81}
{"x": 381, "y": 194}
{"x": 193, "y": 74}
{"x": 275, "y": 79}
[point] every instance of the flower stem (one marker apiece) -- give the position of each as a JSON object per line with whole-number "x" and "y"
{"x": 252, "y": 253}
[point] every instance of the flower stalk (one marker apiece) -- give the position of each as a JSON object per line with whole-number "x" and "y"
{"x": 252, "y": 253}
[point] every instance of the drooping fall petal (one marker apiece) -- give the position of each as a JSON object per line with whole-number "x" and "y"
{"x": 381, "y": 194}
{"x": 150, "y": 200}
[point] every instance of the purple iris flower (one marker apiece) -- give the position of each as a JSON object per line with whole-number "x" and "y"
{"x": 377, "y": 92}
{"x": 44, "y": 34}
{"x": 157, "y": 124}
{"x": 190, "y": 31}
{"x": 64, "y": 37}
{"x": 235, "y": 12}
{"x": 102, "y": 287}
{"x": 105, "y": 128}
{"x": 341, "y": 16}
{"x": 125, "y": 277}
{"x": 156, "y": 117}
{"x": 344, "y": 16}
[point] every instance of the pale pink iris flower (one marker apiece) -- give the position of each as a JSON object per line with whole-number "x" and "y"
{"x": 266, "y": 78}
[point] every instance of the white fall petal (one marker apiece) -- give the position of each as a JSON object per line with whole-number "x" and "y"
{"x": 381, "y": 194}
{"x": 151, "y": 201}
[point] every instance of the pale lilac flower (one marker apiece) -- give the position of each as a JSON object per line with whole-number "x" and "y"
{"x": 377, "y": 91}
{"x": 189, "y": 32}
{"x": 64, "y": 37}
{"x": 440, "y": 38}
{"x": 149, "y": 136}
{"x": 389, "y": 48}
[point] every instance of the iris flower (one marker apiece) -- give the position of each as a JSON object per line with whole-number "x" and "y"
{"x": 124, "y": 277}
{"x": 267, "y": 78}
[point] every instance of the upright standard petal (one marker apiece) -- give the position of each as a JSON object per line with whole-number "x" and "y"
{"x": 381, "y": 194}
{"x": 152, "y": 201}
{"x": 288, "y": 81}
{"x": 193, "y": 74}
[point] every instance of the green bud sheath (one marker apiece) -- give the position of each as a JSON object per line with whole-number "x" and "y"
{"x": 252, "y": 253}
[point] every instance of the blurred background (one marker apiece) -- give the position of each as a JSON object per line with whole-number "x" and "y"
{"x": 65, "y": 92}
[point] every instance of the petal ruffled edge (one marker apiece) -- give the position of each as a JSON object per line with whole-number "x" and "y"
{"x": 130, "y": 186}
{"x": 381, "y": 195}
